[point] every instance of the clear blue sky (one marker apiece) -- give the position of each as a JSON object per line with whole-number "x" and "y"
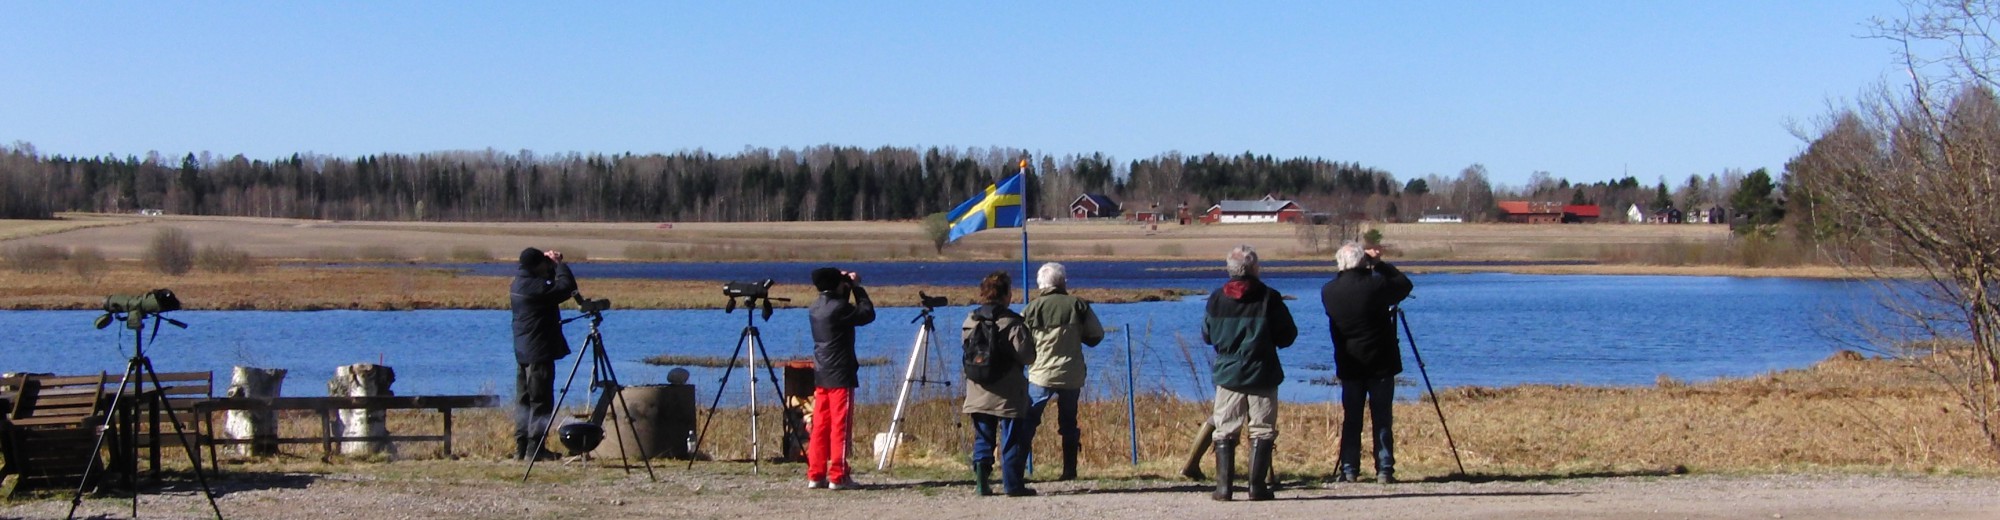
{"x": 1586, "y": 90}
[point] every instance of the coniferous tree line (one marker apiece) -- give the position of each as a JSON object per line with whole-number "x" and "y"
{"x": 757, "y": 184}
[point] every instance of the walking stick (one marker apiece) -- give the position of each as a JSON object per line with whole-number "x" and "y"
{"x": 1427, "y": 388}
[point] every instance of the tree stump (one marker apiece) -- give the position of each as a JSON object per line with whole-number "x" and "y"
{"x": 259, "y": 427}
{"x": 362, "y": 380}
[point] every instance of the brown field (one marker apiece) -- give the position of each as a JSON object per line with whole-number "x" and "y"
{"x": 280, "y": 239}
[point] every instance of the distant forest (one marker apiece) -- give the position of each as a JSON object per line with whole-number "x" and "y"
{"x": 817, "y": 183}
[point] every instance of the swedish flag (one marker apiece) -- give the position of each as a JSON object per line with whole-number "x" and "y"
{"x": 998, "y": 207}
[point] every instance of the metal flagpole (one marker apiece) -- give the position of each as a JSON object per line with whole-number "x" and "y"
{"x": 1131, "y": 399}
{"x": 1025, "y": 277}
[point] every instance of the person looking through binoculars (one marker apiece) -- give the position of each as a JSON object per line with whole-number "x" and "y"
{"x": 1360, "y": 303}
{"x": 540, "y": 286}
{"x": 1061, "y": 325}
{"x": 834, "y": 366}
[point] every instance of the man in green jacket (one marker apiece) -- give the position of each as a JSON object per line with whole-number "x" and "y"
{"x": 1247, "y": 322}
{"x": 1061, "y": 325}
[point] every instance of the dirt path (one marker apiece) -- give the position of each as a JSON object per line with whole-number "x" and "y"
{"x": 607, "y": 494}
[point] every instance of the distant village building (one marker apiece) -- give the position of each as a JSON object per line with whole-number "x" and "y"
{"x": 1670, "y": 215}
{"x": 1440, "y": 218}
{"x": 1712, "y": 215}
{"x": 1580, "y": 214}
{"x": 1092, "y": 205}
{"x": 1525, "y": 212}
{"x": 1635, "y": 215}
{"x": 1268, "y": 209}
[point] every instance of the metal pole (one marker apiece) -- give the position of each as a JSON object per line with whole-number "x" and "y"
{"x": 1131, "y": 399}
{"x": 1427, "y": 388}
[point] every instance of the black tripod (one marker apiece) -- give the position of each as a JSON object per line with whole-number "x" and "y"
{"x": 139, "y": 371}
{"x": 603, "y": 380}
{"x": 754, "y": 340}
{"x": 1427, "y": 388}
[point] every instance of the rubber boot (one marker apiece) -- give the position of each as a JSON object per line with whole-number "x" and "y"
{"x": 1225, "y": 470}
{"x": 982, "y": 478}
{"x": 1260, "y": 469}
{"x": 1069, "y": 460}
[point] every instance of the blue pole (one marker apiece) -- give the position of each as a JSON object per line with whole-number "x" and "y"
{"x": 1131, "y": 399}
{"x": 1026, "y": 278}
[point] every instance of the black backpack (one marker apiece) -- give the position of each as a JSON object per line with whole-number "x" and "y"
{"x": 986, "y": 350}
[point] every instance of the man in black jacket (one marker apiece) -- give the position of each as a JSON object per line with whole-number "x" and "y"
{"x": 1247, "y": 322}
{"x": 1359, "y": 302}
{"x": 543, "y": 283}
{"x": 834, "y": 379}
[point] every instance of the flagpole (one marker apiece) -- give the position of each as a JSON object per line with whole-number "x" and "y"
{"x": 1025, "y": 277}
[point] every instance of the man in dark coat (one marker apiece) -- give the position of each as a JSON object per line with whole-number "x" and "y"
{"x": 834, "y": 380}
{"x": 1247, "y": 322}
{"x": 1359, "y": 309}
{"x": 543, "y": 282}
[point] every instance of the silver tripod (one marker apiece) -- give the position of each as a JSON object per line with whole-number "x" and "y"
{"x": 917, "y": 372}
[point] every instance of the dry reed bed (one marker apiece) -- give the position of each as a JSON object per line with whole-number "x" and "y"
{"x": 318, "y": 288}
{"x": 1843, "y": 414}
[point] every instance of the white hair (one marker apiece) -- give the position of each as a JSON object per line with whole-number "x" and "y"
{"x": 1052, "y": 275}
{"x": 1350, "y": 256}
{"x": 1242, "y": 261}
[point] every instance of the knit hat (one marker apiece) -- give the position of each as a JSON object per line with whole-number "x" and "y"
{"x": 827, "y": 278}
{"x": 531, "y": 257}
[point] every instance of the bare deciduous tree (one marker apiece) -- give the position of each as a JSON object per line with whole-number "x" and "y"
{"x": 1905, "y": 179}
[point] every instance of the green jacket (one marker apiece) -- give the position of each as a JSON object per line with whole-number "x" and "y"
{"x": 1062, "y": 325}
{"x": 1248, "y": 322}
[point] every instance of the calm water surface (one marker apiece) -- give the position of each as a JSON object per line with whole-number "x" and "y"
{"x": 1472, "y": 329}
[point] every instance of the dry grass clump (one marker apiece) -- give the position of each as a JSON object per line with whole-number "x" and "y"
{"x": 88, "y": 264}
{"x": 171, "y": 252}
{"x": 224, "y": 258}
{"x": 33, "y": 258}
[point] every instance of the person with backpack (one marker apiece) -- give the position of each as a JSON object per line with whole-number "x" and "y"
{"x": 996, "y": 389}
{"x": 1247, "y": 322}
{"x": 834, "y": 379}
{"x": 1061, "y": 325}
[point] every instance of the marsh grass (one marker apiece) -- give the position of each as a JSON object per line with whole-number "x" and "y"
{"x": 398, "y": 288}
{"x": 1745, "y": 251}
{"x": 224, "y": 258}
{"x": 1845, "y": 414}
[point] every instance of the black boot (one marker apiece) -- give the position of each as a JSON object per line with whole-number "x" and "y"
{"x": 982, "y": 478}
{"x": 1069, "y": 460}
{"x": 1260, "y": 469}
{"x": 1225, "y": 469}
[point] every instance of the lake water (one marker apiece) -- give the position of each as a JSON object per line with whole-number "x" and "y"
{"x": 1472, "y": 329}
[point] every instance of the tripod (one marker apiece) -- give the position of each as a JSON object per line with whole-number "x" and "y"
{"x": 138, "y": 371}
{"x": 1427, "y": 388}
{"x": 604, "y": 380}
{"x": 752, "y": 338}
{"x": 916, "y": 373}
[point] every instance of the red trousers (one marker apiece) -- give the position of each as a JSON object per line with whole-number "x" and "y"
{"x": 832, "y": 430}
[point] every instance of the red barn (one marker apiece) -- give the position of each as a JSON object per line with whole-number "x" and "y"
{"x": 1524, "y": 212}
{"x": 1580, "y": 214}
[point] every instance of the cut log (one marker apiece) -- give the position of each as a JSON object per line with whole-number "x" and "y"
{"x": 362, "y": 380}
{"x": 259, "y": 427}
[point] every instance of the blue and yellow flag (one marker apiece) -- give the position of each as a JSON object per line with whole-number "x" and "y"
{"x": 998, "y": 207}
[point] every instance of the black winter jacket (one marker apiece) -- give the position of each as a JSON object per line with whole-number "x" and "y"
{"x": 538, "y": 335}
{"x": 833, "y": 323}
{"x": 1248, "y": 322}
{"x": 1364, "y": 329}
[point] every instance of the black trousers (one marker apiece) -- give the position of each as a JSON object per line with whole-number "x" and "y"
{"x": 535, "y": 402}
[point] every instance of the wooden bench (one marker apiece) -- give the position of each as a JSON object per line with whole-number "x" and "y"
{"x": 325, "y": 407}
{"x": 180, "y": 393}
{"x": 50, "y": 428}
